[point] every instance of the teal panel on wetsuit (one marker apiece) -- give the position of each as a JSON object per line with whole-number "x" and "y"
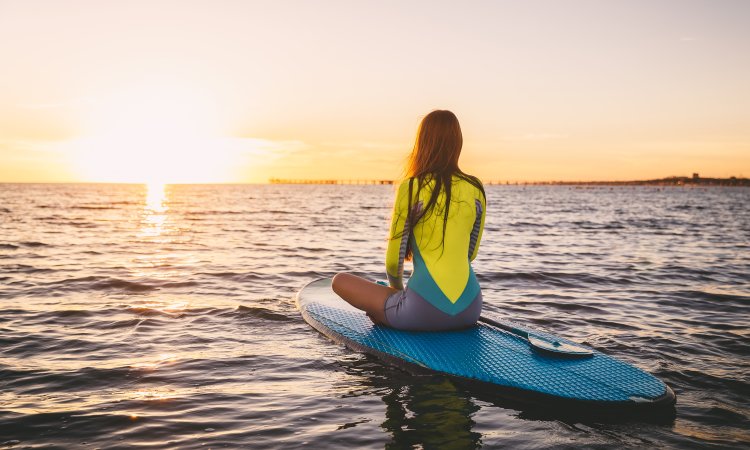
{"x": 422, "y": 283}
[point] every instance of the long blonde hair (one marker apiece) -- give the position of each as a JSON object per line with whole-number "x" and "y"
{"x": 438, "y": 145}
{"x": 435, "y": 158}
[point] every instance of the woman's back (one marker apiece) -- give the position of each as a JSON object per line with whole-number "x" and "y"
{"x": 437, "y": 219}
{"x": 442, "y": 248}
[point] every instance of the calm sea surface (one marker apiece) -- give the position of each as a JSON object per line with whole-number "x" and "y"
{"x": 164, "y": 316}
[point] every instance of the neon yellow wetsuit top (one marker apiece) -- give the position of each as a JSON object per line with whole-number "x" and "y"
{"x": 443, "y": 290}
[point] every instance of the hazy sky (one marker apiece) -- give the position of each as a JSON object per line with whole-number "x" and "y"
{"x": 242, "y": 90}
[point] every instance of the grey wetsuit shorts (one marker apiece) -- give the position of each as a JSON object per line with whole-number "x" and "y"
{"x": 407, "y": 310}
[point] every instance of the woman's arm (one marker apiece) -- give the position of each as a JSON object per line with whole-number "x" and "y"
{"x": 398, "y": 239}
{"x": 476, "y": 232}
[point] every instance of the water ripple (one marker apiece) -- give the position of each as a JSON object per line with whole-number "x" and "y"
{"x": 125, "y": 324}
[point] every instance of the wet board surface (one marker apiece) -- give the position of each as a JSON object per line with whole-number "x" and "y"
{"x": 489, "y": 355}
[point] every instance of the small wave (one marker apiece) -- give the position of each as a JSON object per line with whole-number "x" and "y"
{"x": 529, "y": 224}
{"x": 50, "y": 219}
{"x": 107, "y": 283}
{"x": 8, "y": 247}
{"x": 13, "y": 312}
{"x": 4, "y": 210}
{"x": 724, "y": 300}
{"x": 311, "y": 249}
{"x": 93, "y": 207}
{"x": 72, "y": 313}
{"x": 116, "y": 324}
{"x": 102, "y": 283}
{"x": 235, "y": 276}
{"x": 213, "y": 213}
{"x": 84, "y": 224}
{"x": 722, "y": 416}
{"x": 115, "y": 283}
{"x": 23, "y": 268}
{"x": 62, "y": 317}
{"x": 611, "y": 323}
{"x": 572, "y": 307}
{"x": 236, "y": 230}
{"x": 705, "y": 380}
{"x": 146, "y": 311}
{"x": 689, "y": 207}
{"x": 22, "y": 346}
{"x": 34, "y": 244}
{"x": 76, "y": 425}
{"x": 588, "y": 225}
{"x": 651, "y": 223}
{"x": 561, "y": 279}
{"x": 690, "y": 273}
{"x": 261, "y": 313}
{"x": 178, "y": 284}
{"x": 43, "y": 381}
{"x": 308, "y": 275}
{"x": 124, "y": 202}
{"x": 61, "y": 220}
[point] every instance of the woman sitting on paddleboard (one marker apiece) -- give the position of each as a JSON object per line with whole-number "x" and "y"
{"x": 437, "y": 221}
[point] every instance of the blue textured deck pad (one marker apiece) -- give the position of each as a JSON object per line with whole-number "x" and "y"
{"x": 491, "y": 355}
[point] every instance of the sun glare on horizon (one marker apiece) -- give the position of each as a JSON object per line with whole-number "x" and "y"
{"x": 156, "y": 196}
{"x": 154, "y": 135}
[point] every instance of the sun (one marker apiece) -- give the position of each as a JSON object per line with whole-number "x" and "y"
{"x": 156, "y": 135}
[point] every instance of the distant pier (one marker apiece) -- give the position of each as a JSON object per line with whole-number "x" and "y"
{"x": 695, "y": 180}
{"x": 307, "y": 181}
{"x": 363, "y": 181}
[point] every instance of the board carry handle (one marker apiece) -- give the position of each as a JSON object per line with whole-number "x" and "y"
{"x": 543, "y": 344}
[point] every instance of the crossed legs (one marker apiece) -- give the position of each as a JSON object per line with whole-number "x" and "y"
{"x": 363, "y": 294}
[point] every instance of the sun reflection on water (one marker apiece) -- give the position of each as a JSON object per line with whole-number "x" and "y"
{"x": 154, "y": 395}
{"x": 156, "y": 197}
{"x": 155, "y": 210}
{"x": 154, "y": 362}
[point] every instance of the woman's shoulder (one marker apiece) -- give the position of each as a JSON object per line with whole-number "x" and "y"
{"x": 470, "y": 181}
{"x": 403, "y": 185}
{"x": 415, "y": 184}
{"x": 402, "y": 191}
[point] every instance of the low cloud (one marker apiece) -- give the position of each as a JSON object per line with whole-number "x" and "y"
{"x": 76, "y": 102}
{"x": 265, "y": 147}
{"x": 535, "y": 137}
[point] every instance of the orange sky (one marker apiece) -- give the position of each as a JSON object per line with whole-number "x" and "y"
{"x": 241, "y": 91}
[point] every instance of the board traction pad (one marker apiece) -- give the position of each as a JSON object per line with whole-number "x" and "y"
{"x": 490, "y": 355}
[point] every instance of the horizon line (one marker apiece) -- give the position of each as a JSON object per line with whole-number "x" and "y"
{"x": 375, "y": 181}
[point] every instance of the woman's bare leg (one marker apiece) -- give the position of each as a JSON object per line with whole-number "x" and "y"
{"x": 363, "y": 294}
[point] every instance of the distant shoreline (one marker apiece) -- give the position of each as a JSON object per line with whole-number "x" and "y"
{"x": 668, "y": 181}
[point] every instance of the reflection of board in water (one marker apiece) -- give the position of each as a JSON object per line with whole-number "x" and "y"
{"x": 499, "y": 354}
{"x": 434, "y": 415}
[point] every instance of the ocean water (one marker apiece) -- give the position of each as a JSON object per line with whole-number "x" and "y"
{"x": 163, "y": 316}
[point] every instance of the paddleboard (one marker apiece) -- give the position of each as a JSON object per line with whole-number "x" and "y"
{"x": 513, "y": 360}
